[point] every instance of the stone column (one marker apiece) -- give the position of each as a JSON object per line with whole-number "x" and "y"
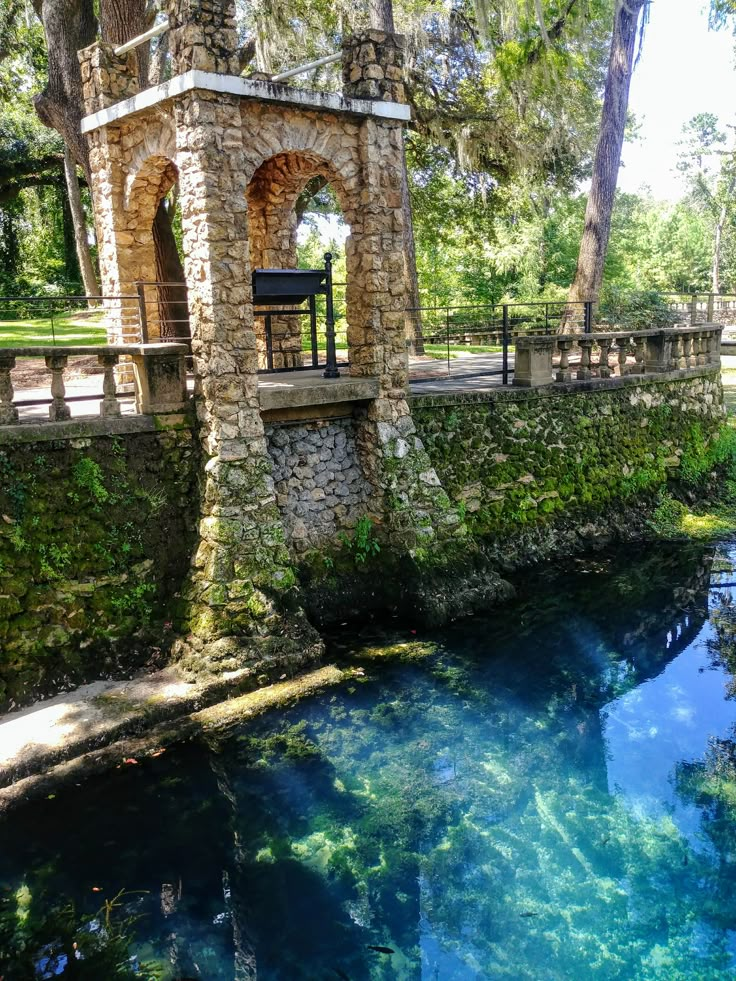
{"x": 408, "y": 496}
{"x": 106, "y": 77}
{"x": 241, "y": 595}
{"x": 203, "y": 35}
{"x": 373, "y": 66}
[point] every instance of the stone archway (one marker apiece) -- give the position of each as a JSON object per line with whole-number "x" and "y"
{"x": 166, "y": 302}
{"x": 272, "y": 231}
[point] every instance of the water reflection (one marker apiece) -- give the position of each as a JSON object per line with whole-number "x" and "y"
{"x": 549, "y": 794}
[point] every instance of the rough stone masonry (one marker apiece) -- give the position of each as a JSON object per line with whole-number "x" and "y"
{"x": 242, "y": 151}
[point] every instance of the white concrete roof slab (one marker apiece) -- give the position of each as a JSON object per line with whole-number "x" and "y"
{"x": 247, "y": 88}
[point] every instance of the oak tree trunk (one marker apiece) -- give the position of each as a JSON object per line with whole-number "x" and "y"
{"x": 172, "y": 293}
{"x": 594, "y": 244}
{"x": 81, "y": 242}
{"x": 71, "y": 263}
{"x": 382, "y": 15}
{"x": 68, "y": 25}
{"x": 121, "y": 21}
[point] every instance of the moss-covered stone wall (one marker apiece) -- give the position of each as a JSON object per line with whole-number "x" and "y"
{"x": 513, "y": 458}
{"x": 96, "y": 537}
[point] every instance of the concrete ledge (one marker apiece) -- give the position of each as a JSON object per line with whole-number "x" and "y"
{"x": 555, "y": 389}
{"x": 302, "y": 389}
{"x": 248, "y": 88}
{"x": 92, "y": 426}
{"x": 102, "y": 724}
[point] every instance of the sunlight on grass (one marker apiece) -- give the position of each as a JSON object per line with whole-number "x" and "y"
{"x": 69, "y": 330}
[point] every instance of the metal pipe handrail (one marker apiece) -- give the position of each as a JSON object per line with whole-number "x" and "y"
{"x": 328, "y": 60}
{"x": 141, "y": 39}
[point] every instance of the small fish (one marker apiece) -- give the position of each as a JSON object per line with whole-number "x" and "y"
{"x": 381, "y": 950}
{"x": 341, "y": 974}
{"x": 528, "y": 912}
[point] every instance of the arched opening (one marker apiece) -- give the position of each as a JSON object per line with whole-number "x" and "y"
{"x": 298, "y": 209}
{"x": 157, "y": 270}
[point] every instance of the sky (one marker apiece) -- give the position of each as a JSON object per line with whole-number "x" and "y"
{"x": 684, "y": 69}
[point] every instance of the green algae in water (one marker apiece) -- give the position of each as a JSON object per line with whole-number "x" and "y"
{"x": 547, "y": 793}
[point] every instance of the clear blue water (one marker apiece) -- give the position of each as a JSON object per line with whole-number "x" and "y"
{"x": 545, "y": 793}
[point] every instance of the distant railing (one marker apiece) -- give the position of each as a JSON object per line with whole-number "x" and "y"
{"x": 635, "y": 353}
{"x": 159, "y": 380}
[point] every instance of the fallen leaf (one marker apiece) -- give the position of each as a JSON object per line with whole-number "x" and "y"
{"x": 7, "y": 520}
{"x": 131, "y": 760}
{"x": 158, "y": 752}
{"x": 96, "y": 888}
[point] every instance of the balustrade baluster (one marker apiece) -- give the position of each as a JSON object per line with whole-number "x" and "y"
{"x": 58, "y": 410}
{"x": 680, "y": 357}
{"x": 109, "y": 406}
{"x": 8, "y": 412}
{"x": 604, "y": 369}
{"x": 586, "y": 346}
{"x": 622, "y": 345}
{"x": 711, "y": 347}
{"x": 702, "y": 349}
{"x": 692, "y": 358}
{"x": 564, "y": 373}
{"x": 638, "y": 356}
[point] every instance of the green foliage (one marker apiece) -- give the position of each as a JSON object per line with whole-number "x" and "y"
{"x": 39, "y": 930}
{"x": 361, "y": 544}
{"x": 668, "y": 517}
{"x": 634, "y": 310}
{"x": 88, "y": 479}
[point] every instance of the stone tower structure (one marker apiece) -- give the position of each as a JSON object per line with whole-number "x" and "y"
{"x": 242, "y": 150}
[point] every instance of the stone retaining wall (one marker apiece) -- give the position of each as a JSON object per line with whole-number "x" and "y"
{"x": 513, "y": 458}
{"x": 320, "y": 487}
{"x": 96, "y": 537}
{"x": 98, "y": 522}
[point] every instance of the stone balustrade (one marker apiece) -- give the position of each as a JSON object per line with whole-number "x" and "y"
{"x": 545, "y": 359}
{"x": 159, "y": 375}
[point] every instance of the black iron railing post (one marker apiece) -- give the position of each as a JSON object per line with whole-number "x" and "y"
{"x": 269, "y": 342}
{"x": 53, "y": 330}
{"x": 313, "y": 330}
{"x": 331, "y": 369}
{"x": 505, "y": 355}
{"x": 447, "y": 329}
{"x": 588, "y": 317}
{"x": 140, "y": 289}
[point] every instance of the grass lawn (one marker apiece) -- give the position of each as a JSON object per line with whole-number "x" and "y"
{"x": 70, "y": 330}
{"x": 440, "y": 350}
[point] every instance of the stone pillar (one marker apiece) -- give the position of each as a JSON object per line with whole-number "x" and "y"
{"x": 240, "y": 598}
{"x": 106, "y": 77}
{"x": 160, "y": 378}
{"x": 373, "y": 66}
{"x": 533, "y": 361}
{"x": 408, "y": 497}
{"x": 658, "y": 352}
{"x": 203, "y": 35}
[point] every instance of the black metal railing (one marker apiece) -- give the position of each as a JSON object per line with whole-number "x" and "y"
{"x": 468, "y": 339}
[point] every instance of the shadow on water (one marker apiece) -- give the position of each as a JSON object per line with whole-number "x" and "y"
{"x": 454, "y": 816}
